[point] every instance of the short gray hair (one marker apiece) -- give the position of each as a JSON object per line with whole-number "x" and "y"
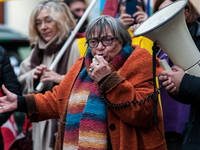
{"x": 102, "y": 23}
{"x": 59, "y": 12}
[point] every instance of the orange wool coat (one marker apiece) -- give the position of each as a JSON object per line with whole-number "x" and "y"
{"x": 130, "y": 128}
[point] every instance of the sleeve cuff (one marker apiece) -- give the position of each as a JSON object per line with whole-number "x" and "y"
{"x": 32, "y": 109}
{"x": 21, "y": 104}
{"x": 103, "y": 79}
{"x": 110, "y": 82}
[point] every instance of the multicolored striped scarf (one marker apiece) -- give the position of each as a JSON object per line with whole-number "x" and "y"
{"x": 86, "y": 122}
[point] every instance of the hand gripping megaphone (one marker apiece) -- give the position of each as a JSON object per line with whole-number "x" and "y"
{"x": 168, "y": 27}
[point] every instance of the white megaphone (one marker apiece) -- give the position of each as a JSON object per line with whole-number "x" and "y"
{"x": 168, "y": 27}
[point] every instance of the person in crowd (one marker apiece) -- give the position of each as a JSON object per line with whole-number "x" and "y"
{"x": 50, "y": 25}
{"x": 184, "y": 88}
{"x": 174, "y": 125}
{"x": 104, "y": 105}
{"x": 9, "y": 79}
{"x": 127, "y": 19}
{"x": 77, "y": 8}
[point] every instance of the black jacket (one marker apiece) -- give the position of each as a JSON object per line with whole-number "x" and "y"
{"x": 195, "y": 32}
{"x": 9, "y": 79}
{"x": 189, "y": 93}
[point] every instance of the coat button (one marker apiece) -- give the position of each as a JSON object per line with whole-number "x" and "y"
{"x": 112, "y": 126}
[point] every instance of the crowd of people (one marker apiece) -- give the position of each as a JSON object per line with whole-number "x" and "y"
{"x": 100, "y": 95}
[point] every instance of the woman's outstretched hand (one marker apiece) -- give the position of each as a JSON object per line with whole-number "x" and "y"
{"x": 8, "y": 102}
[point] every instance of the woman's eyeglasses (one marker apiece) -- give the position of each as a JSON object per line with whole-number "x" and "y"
{"x": 106, "y": 41}
{"x": 46, "y": 22}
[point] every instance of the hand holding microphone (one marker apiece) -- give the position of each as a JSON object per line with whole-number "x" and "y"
{"x": 99, "y": 68}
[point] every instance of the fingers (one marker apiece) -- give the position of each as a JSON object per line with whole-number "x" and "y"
{"x": 2, "y": 99}
{"x": 126, "y": 20}
{"x": 166, "y": 73}
{"x": 49, "y": 75}
{"x": 174, "y": 90}
{"x": 132, "y": 28}
{"x": 124, "y": 16}
{"x": 139, "y": 8}
{"x": 37, "y": 73}
{"x": 171, "y": 88}
{"x": 176, "y": 68}
{"x": 141, "y": 18}
{"x": 102, "y": 62}
{"x": 168, "y": 84}
{"x": 9, "y": 101}
{"x": 39, "y": 70}
{"x": 123, "y": 11}
{"x": 100, "y": 58}
{"x": 100, "y": 70}
{"x": 41, "y": 67}
{"x": 5, "y": 90}
{"x": 140, "y": 15}
{"x": 163, "y": 78}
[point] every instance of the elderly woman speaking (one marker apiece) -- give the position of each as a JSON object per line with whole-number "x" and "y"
{"x": 104, "y": 103}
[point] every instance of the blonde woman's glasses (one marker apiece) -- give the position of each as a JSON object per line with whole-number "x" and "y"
{"x": 47, "y": 22}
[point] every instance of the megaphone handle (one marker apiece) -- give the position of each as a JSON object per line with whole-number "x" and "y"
{"x": 165, "y": 65}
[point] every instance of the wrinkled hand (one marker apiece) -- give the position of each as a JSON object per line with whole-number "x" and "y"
{"x": 172, "y": 79}
{"x": 38, "y": 71}
{"x": 49, "y": 75}
{"x": 8, "y": 102}
{"x": 140, "y": 15}
{"x": 101, "y": 70}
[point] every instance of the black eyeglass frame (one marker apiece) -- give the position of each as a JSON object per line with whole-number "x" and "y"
{"x": 100, "y": 40}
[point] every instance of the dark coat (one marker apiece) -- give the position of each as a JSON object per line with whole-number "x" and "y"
{"x": 195, "y": 32}
{"x": 189, "y": 93}
{"x": 9, "y": 79}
